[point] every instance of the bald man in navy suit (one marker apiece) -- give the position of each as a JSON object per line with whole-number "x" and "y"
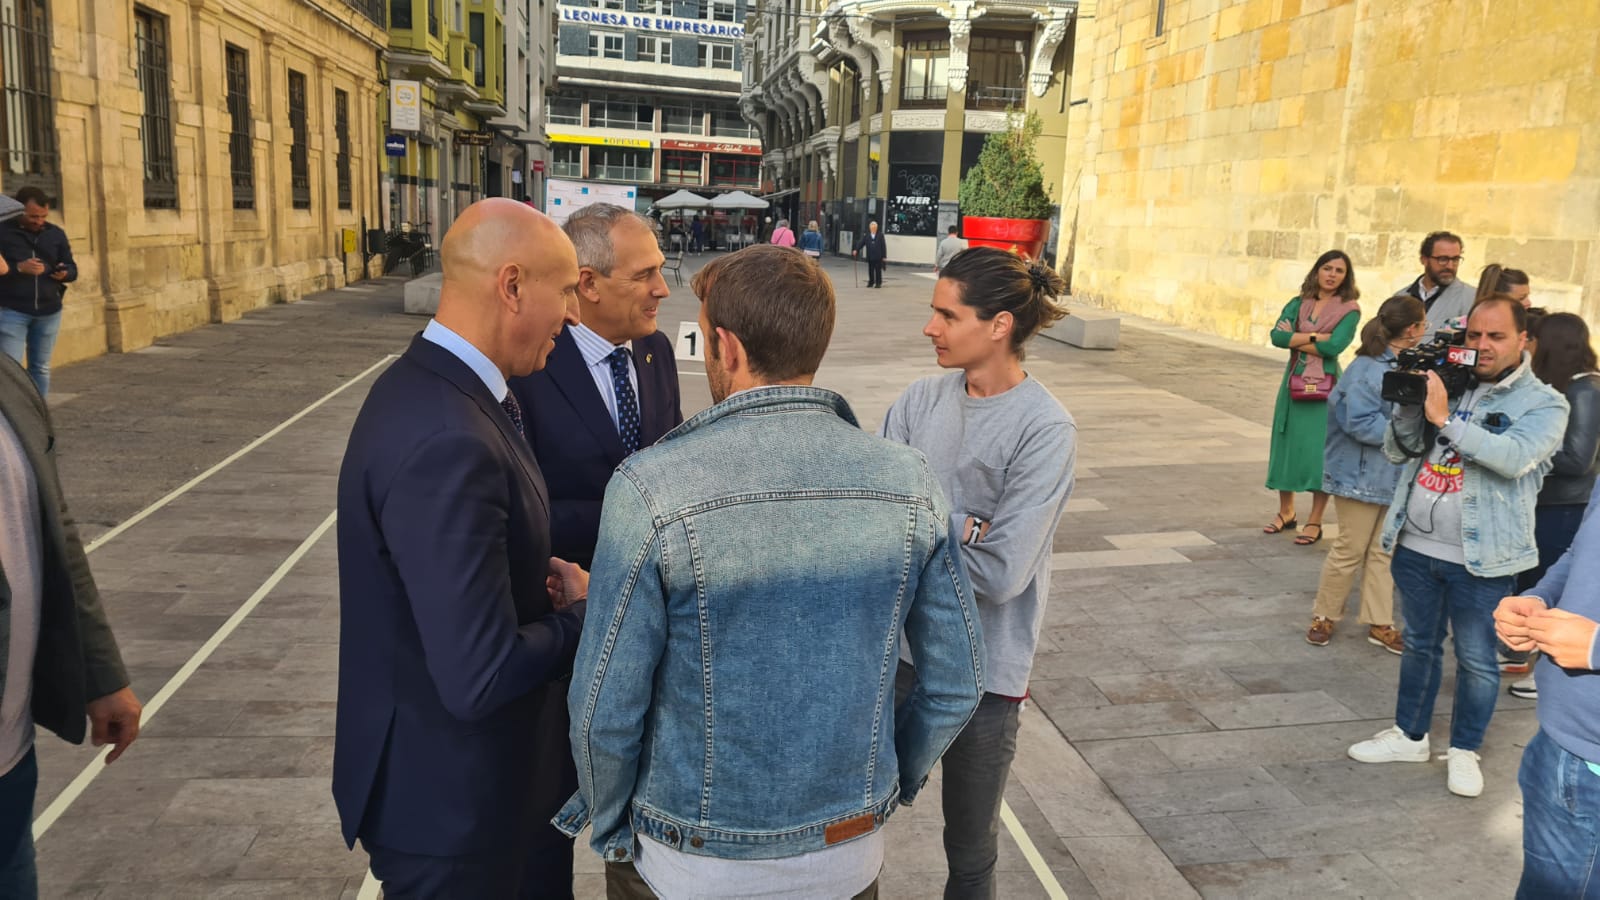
{"x": 457, "y": 629}
{"x": 612, "y": 383}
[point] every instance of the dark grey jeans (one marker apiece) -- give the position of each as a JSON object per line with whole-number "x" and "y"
{"x": 974, "y": 772}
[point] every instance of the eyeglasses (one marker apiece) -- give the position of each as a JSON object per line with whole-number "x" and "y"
{"x": 1447, "y": 260}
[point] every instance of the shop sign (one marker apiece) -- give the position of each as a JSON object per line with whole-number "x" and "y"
{"x": 538, "y": 165}
{"x": 580, "y": 15}
{"x": 712, "y": 147}
{"x": 395, "y": 145}
{"x": 474, "y": 138}
{"x": 913, "y": 200}
{"x": 405, "y": 105}
{"x": 601, "y": 140}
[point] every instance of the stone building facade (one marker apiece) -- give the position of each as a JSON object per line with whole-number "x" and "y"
{"x": 872, "y": 109}
{"x": 1218, "y": 146}
{"x": 208, "y": 156}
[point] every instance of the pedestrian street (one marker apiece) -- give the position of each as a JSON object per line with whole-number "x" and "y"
{"x": 1181, "y": 739}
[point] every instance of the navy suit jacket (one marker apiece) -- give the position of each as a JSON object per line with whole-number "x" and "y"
{"x": 574, "y": 440}
{"x": 449, "y": 646}
{"x": 877, "y": 248}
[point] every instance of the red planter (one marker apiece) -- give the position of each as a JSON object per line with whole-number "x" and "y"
{"x": 1025, "y": 237}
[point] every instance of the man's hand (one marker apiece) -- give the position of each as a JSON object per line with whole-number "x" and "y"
{"x": 31, "y": 266}
{"x": 61, "y": 273}
{"x": 1437, "y": 406}
{"x": 1563, "y": 636}
{"x": 1511, "y": 621}
{"x": 114, "y": 719}
{"x": 567, "y": 583}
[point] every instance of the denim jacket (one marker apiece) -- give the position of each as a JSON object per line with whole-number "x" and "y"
{"x": 1505, "y": 463}
{"x": 1353, "y": 464}
{"x": 733, "y": 694}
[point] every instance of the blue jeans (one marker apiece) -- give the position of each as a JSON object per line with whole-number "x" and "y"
{"x": 1434, "y": 593}
{"x": 1560, "y": 823}
{"x": 20, "y": 332}
{"x": 19, "y": 880}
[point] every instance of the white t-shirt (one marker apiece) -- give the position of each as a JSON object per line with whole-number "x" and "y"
{"x": 840, "y": 871}
{"x": 22, "y": 561}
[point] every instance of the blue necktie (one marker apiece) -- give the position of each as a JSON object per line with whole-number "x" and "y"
{"x": 627, "y": 404}
{"x": 514, "y": 413}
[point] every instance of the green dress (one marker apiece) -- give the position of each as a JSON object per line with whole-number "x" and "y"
{"x": 1300, "y": 427}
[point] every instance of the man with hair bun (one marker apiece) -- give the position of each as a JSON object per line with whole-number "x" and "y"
{"x": 1003, "y": 449}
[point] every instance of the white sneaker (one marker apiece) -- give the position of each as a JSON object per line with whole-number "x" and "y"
{"x": 1390, "y": 745}
{"x": 1465, "y": 779}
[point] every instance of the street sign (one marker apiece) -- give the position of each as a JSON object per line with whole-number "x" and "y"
{"x": 474, "y": 138}
{"x": 538, "y": 165}
{"x": 405, "y": 105}
{"x": 395, "y": 145}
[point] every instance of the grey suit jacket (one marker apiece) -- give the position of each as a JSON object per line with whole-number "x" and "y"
{"x": 78, "y": 660}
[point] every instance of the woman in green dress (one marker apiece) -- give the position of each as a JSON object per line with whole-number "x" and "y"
{"x": 1316, "y": 327}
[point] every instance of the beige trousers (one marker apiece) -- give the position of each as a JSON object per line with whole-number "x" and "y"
{"x": 1356, "y": 548}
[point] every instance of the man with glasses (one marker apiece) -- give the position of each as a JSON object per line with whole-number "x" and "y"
{"x": 1447, "y": 297}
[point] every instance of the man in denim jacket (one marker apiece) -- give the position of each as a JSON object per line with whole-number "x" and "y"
{"x": 733, "y": 715}
{"x": 1462, "y": 517}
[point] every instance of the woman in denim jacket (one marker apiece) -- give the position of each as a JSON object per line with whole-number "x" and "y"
{"x": 1362, "y": 480}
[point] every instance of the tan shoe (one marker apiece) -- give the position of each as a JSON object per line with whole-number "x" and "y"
{"x": 1386, "y": 637}
{"x": 1321, "y": 631}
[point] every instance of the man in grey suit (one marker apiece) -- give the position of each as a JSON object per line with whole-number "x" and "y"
{"x": 59, "y": 663}
{"x": 1446, "y": 297}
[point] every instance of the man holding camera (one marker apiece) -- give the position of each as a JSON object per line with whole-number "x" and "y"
{"x": 1462, "y": 517}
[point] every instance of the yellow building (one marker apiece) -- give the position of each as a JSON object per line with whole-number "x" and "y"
{"x": 208, "y": 156}
{"x": 1218, "y": 146}
{"x": 453, "y": 53}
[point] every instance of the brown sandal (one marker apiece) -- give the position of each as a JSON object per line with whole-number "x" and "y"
{"x": 1279, "y": 524}
{"x": 1303, "y": 541}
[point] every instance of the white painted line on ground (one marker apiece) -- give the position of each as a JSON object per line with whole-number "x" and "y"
{"x": 189, "y": 485}
{"x": 1047, "y": 878}
{"x": 370, "y": 888}
{"x": 97, "y": 765}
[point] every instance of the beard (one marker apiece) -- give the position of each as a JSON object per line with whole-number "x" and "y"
{"x": 717, "y": 379}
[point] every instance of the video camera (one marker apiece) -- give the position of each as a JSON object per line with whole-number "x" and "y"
{"x": 1447, "y": 354}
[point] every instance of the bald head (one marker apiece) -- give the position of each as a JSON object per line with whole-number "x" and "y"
{"x": 509, "y": 281}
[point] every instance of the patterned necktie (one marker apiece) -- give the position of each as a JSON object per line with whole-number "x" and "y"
{"x": 514, "y": 413}
{"x": 627, "y": 404}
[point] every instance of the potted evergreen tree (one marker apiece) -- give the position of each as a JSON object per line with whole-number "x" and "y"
{"x": 1003, "y": 199}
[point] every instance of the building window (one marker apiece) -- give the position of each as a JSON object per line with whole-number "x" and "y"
{"x": 475, "y": 35}
{"x": 609, "y": 4}
{"x": 433, "y": 18}
{"x": 299, "y": 158}
{"x": 728, "y": 123}
{"x": 565, "y": 111}
{"x": 155, "y": 126}
{"x": 716, "y": 55}
{"x": 997, "y": 71}
{"x": 653, "y": 49}
{"x": 619, "y": 164}
{"x": 735, "y": 171}
{"x": 341, "y": 133}
{"x": 27, "y": 118}
{"x": 846, "y": 85}
{"x": 719, "y": 10}
{"x": 616, "y": 112}
{"x": 925, "y": 78}
{"x": 683, "y": 119}
{"x": 605, "y": 44}
{"x": 681, "y": 166}
{"x": 400, "y": 14}
{"x": 566, "y": 161}
{"x": 656, "y": 7}
{"x": 241, "y": 151}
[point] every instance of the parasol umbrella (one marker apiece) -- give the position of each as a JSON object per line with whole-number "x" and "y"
{"x": 683, "y": 200}
{"x": 738, "y": 200}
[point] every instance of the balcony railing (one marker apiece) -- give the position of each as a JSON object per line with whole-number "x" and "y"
{"x": 372, "y": 9}
{"x": 993, "y": 97}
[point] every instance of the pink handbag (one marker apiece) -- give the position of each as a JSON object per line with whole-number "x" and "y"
{"x": 1311, "y": 387}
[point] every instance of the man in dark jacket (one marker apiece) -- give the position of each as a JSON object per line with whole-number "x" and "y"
{"x": 37, "y": 267}
{"x": 58, "y": 660}
{"x": 877, "y": 251}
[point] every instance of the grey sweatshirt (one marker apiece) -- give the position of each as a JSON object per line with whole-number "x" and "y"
{"x": 1007, "y": 460}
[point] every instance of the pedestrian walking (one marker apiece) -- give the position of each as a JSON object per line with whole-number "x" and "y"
{"x": 38, "y": 267}
{"x": 876, "y": 250}
{"x": 811, "y": 240}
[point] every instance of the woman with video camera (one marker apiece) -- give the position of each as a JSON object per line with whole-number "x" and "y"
{"x": 1362, "y": 480}
{"x": 1316, "y": 326}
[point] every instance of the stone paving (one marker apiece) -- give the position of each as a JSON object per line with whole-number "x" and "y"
{"x": 1183, "y": 739}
